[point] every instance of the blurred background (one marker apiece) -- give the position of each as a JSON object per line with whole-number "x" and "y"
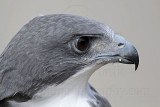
{"x": 137, "y": 20}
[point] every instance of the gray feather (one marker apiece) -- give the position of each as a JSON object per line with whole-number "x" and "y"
{"x": 32, "y": 60}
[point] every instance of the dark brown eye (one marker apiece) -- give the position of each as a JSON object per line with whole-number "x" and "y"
{"x": 83, "y": 43}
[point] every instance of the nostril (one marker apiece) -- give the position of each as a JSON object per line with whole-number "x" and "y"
{"x": 121, "y": 45}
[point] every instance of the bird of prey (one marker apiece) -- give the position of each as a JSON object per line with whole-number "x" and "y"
{"x": 49, "y": 61}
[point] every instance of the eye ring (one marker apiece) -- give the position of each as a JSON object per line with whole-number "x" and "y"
{"x": 82, "y": 44}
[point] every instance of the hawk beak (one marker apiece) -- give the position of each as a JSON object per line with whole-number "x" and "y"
{"x": 126, "y": 53}
{"x": 129, "y": 55}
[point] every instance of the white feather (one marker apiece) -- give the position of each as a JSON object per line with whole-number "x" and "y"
{"x": 74, "y": 92}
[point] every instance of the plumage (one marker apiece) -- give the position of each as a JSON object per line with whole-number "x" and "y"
{"x": 49, "y": 61}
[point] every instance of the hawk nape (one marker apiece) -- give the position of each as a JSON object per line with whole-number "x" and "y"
{"x": 49, "y": 61}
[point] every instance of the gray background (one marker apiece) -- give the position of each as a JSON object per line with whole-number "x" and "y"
{"x": 137, "y": 20}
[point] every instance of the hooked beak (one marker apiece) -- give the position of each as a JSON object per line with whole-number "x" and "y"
{"x": 126, "y": 53}
{"x": 129, "y": 55}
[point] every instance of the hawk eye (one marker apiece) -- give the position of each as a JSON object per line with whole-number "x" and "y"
{"x": 83, "y": 43}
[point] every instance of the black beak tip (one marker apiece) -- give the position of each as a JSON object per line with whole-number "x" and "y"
{"x": 136, "y": 66}
{"x": 136, "y": 62}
